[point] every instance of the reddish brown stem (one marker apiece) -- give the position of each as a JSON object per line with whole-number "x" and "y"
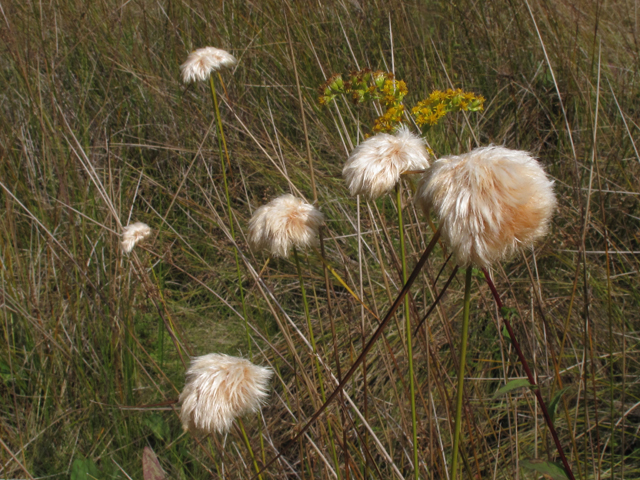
{"x": 385, "y": 321}
{"x": 532, "y": 381}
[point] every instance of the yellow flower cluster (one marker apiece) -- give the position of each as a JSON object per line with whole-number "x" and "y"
{"x": 389, "y": 121}
{"x": 429, "y": 111}
{"x": 394, "y": 91}
{"x": 330, "y": 89}
{"x": 367, "y": 86}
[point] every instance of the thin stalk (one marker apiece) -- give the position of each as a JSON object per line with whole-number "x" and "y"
{"x": 317, "y": 363}
{"x": 223, "y": 145}
{"x": 212, "y": 455}
{"x": 407, "y": 316}
{"x": 161, "y": 325}
{"x": 461, "y": 369}
{"x": 246, "y": 441}
{"x": 532, "y": 380}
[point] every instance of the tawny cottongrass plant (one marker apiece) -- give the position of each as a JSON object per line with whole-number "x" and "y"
{"x": 133, "y": 234}
{"x": 284, "y": 223}
{"x": 201, "y": 62}
{"x": 375, "y": 165}
{"x": 220, "y": 388}
{"x": 490, "y": 201}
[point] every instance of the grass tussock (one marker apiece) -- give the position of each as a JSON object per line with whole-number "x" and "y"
{"x": 97, "y": 131}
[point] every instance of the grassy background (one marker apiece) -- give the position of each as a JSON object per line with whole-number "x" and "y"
{"x": 96, "y": 128}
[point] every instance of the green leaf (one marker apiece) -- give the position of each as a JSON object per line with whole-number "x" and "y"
{"x": 84, "y": 469}
{"x": 477, "y": 273}
{"x": 509, "y": 312}
{"x": 553, "y": 405}
{"x": 151, "y": 468}
{"x": 5, "y": 372}
{"x": 158, "y": 426}
{"x": 505, "y": 333}
{"x": 553, "y": 469}
{"x": 512, "y": 385}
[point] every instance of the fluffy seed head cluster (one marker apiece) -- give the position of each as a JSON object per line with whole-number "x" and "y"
{"x": 284, "y": 223}
{"x": 133, "y": 234}
{"x": 220, "y": 388}
{"x": 201, "y": 62}
{"x": 375, "y": 165}
{"x": 489, "y": 201}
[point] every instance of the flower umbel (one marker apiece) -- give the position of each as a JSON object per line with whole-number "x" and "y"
{"x": 428, "y": 112}
{"x": 375, "y": 165}
{"x": 490, "y": 201}
{"x": 284, "y": 223}
{"x": 201, "y": 62}
{"x": 133, "y": 234}
{"x": 366, "y": 86}
{"x": 220, "y": 388}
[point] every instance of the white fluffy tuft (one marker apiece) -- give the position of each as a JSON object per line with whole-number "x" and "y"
{"x": 133, "y": 234}
{"x": 284, "y": 223}
{"x": 489, "y": 201}
{"x": 375, "y": 165}
{"x": 201, "y": 62}
{"x": 220, "y": 388}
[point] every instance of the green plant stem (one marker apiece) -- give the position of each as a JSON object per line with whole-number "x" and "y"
{"x": 313, "y": 347}
{"x": 246, "y": 441}
{"x": 407, "y": 316}
{"x": 223, "y": 146}
{"x": 461, "y": 369}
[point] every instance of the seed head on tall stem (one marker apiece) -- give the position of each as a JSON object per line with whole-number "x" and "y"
{"x": 201, "y": 62}
{"x": 220, "y": 388}
{"x": 285, "y": 223}
{"x": 373, "y": 169}
{"x": 490, "y": 202}
{"x": 375, "y": 165}
{"x": 133, "y": 234}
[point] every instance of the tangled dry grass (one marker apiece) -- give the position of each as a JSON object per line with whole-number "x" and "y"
{"x": 97, "y": 130}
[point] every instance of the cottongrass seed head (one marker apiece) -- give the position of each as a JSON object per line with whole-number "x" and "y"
{"x": 220, "y": 388}
{"x": 375, "y": 165}
{"x": 133, "y": 234}
{"x": 490, "y": 201}
{"x": 284, "y": 223}
{"x": 201, "y": 62}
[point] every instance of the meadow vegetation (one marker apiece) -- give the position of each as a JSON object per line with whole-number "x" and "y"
{"x": 97, "y": 131}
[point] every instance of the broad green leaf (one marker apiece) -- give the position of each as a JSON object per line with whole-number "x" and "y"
{"x": 151, "y": 468}
{"x": 84, "y": 469}
{"x": 553, "y": 405}
{"x": 512, "y": 385}
{"x": 553, "y": 469}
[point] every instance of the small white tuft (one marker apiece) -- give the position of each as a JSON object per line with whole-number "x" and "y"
{"x": 375, "y": 165}
{"x": 133, "y": 234}
{"x": 220, "y": 388}
{"x": 284, "y": 223}
{"x": 489, "y": 201}
{"x": 201, "y": 62}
